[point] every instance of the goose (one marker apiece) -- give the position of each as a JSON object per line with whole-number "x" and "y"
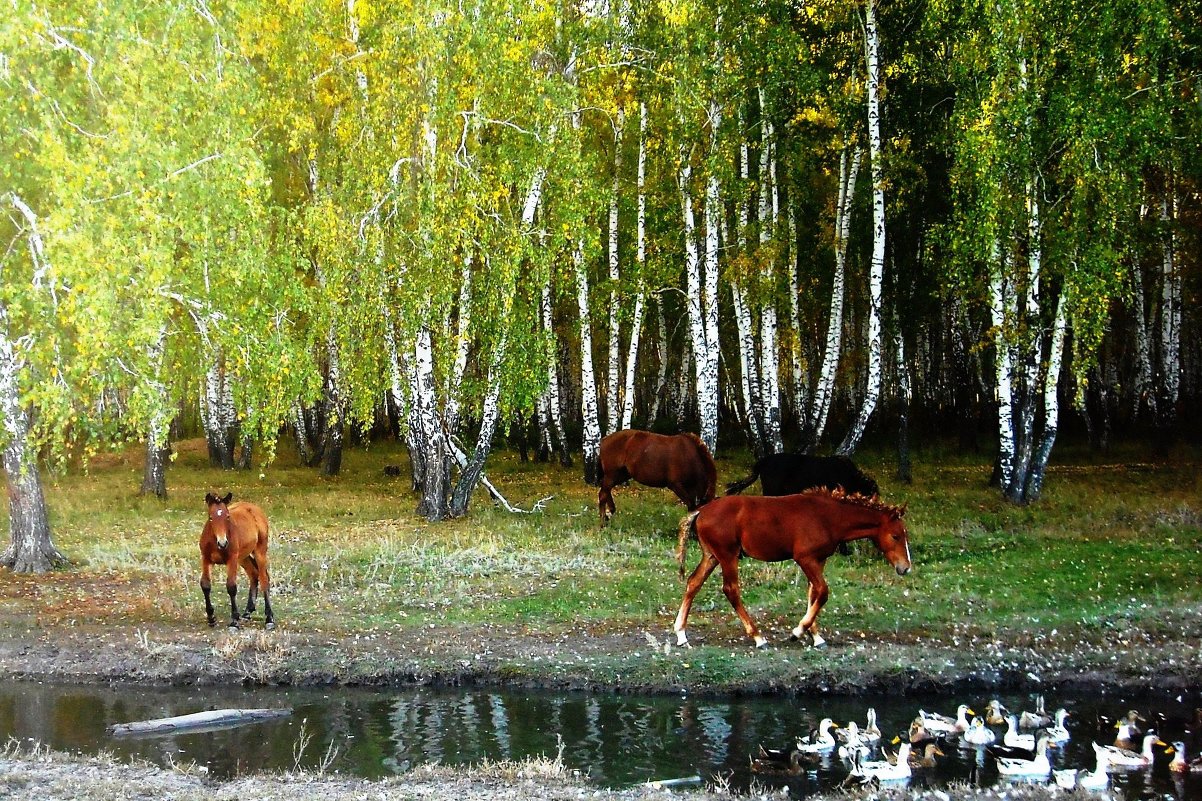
{"x": 1128, "y": 731}
{"x": 1094, "y": 779}
{"x": 995, "y": 713}
{"x": 1058, "y": 732}
{"x": 1124, "y": 758}
{"x": 1015, "y": 740}
{"x": 1038, "y": 766}
{"x": 821, "y": 741}
{"x": 918, "y": 732}
{"x": 943, "y": 725}
{"x": 978, "y": 734}
{"x": 883, "y": 770}
{"x": 1037, "y": 719}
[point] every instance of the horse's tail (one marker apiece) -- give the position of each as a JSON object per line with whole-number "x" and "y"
{"x": 688, "y": 527}
{"x": 735, "y": 487}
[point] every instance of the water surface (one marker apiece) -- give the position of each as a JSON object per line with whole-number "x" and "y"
{"x": 617, "y": 740}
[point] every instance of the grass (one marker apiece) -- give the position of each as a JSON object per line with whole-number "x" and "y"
{"x": 1109, "y": 552}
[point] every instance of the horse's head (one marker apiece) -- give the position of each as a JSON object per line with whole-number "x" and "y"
{"x": 219, "y": 517}
{"x": 894, "y": 541}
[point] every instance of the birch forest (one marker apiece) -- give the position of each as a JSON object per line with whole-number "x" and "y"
{"x": 807, "y": 225}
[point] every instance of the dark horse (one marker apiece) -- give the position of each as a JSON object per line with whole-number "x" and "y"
{"x": 806, "y": 528}
{"x": 235, "y": 535}
{"x": 680, "y": 462}
{"x": 789, "y": 473}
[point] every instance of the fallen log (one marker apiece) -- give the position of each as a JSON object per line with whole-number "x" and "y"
{"x": 212, "y": 718}
{"x": 661, "y": 784}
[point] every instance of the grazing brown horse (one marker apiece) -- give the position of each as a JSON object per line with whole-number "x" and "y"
{"x": 806, "y": 528}
{"x": 680, "y": 462}
{"x": 235, "y": 535}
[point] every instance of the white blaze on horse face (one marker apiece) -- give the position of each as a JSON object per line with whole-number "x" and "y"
{"x": 222, "y": 529}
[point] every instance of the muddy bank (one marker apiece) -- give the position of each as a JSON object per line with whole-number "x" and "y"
{"x": 600, "y": 661}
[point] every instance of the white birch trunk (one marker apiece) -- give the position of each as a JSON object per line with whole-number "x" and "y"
{"x": 30, "y": 548}
{"x": 661, "y": 375}
{"x": 798, "y": 385}
{"x": 1170, "y": 315}
{"x": 825, "y": 390}
{"x": 1051, "y": 404}
{"x": 769, "y": 362}
{"x": 707, "y": 389}
{"x": 158, "y": 450}
{"x": 749, "y": 372}
{"x": 591, "y": 445}
{"x": 640, "y": 298}
{"x": 552, "y": 402}
{"x": 1007, "y": 435}
{"x": 472, "y": 471}
{"x": 613, "y": 401}
{"x": 1144, "y": 392}
{"x": 452, "y": 412}
{"x": 433, "y": 443}
{"x": 876, "y": 270}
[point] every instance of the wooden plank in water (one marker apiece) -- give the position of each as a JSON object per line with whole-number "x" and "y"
{"x": 214, "y": 717}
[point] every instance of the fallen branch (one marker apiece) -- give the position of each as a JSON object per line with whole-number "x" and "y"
{"x": 662, "y": 783}
{"x": 215, "y": 717}
{"x": 461, "y": 459}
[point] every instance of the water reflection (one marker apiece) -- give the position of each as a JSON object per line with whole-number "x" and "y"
{"x": 616, "y": 740}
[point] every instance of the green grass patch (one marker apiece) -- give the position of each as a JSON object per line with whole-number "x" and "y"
{"x": 1112, "y": 545}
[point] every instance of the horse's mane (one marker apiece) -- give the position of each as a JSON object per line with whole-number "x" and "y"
{"x": 874, "y": 502}
{"x": 710, "y": 468}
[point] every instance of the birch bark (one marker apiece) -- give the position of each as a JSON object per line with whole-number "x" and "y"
{"x": 769, "y": 378}
{"x": 707, "y": 358}
{"x": 824, "y": 391}
{"x": 158, "y": 448}
{"x": 613, "y": 402}
{"x": 640, "y": 296}
{"x": 1170, "y": 323}
{"x": 30, "y": 548}
{"x": 1051, "y": 405}
{"x": 876, "y": 270}
{"x": 591, "y": 444}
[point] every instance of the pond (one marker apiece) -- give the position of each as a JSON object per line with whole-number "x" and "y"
{"x": 617, "y": 740}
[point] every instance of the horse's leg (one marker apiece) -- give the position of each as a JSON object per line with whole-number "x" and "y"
{"x": 696, "y": 579}
{"x": 231, "y": 586}
{"x": 730, "y": 586}
{"x": 819, "y": 592}
{"x": 265, "y": 583}
{"x": 605, "y": 496}
{"x": 252, "y": 574}
{"x": 206, "y": 586}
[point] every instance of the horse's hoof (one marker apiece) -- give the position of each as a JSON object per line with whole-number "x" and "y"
{"x": 819, "y": 643}
{"x": 793, "y": 638}
{"x": 270, "y": 626}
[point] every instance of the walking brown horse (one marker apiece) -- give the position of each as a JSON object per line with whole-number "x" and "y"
{"x": 806, "y": 528}
{"x": 235, "y": 535}
{"x": 680, "y": 462}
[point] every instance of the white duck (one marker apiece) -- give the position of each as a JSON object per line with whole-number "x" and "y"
{"x": 1123, "y": 759}
{"x": 943, "y": 725}
{"x": 978, "y": 734}
{"x": 883, "y": 770}
{"x": 1039, "y": 766}
{"x": 1095, "y": 779}
{"x": 822, "y": 741}
{"x": 1013, "y": 739}
{"x": 1058, "y": 732}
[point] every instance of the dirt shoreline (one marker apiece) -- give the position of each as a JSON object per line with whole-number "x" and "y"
{"x": 512, "y": 656}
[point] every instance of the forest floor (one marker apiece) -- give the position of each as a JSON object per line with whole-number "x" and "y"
{"x": 1093, "y": 592}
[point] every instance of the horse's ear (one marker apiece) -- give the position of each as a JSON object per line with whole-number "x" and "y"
{"x": 229, "y": 496}
{"x": 901, "y": 510}
{"x": 210, "y": 499}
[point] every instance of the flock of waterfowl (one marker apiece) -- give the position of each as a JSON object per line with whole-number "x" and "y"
{"x": 1021, "y": 751}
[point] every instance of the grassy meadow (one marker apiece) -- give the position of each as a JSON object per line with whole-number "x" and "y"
{"x": 1104, "y": 568}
